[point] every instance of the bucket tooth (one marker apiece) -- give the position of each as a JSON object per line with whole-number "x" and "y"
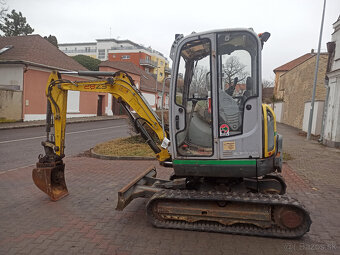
{"x": 50, "y": 178}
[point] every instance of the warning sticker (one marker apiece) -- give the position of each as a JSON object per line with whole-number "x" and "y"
{"x": 229, "y": 146}
{"x": 224, "y": 130}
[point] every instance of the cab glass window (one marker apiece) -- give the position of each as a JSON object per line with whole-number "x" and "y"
{"x": 193, "y": 94}
{"x": 237, "y": 79}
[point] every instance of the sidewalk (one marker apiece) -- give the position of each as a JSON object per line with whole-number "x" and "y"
{"x": 85, "y": 222}
{"x": 38, "y": 123}
{"x": 315, "y": 162}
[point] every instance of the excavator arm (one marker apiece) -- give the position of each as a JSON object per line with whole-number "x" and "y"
{"x": 49, "y": 172}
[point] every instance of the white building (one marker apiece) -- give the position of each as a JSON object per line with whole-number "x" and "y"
{"x": 101, "y": 48}
{"x": 331, "y": 134}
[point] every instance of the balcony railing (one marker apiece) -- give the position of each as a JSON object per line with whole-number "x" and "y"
{"x": 80, "y": 51}
{"x": 126, "y": 48}
{"x": 148, "y": 62}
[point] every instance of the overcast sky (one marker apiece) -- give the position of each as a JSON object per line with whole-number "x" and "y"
{"x": 294, "y": 24}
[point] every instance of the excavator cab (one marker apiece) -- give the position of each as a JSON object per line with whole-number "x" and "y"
{"x": 216, "y": 112}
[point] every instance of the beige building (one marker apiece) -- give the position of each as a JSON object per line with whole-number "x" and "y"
{"x": 281, "y": 70}
{"x": 294, "y": 84}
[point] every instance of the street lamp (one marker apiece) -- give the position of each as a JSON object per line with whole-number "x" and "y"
{"x": 315, "y": 76}
{"x": 156, "y": 87}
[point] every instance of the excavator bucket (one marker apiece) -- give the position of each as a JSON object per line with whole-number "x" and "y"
{"x": 49, "y": 177}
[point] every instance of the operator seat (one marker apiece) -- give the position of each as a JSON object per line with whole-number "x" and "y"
{"x": 247, "y": 93}
{"x": 249, "y": 88}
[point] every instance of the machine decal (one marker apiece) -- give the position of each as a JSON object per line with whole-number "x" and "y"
{"x": 95, "y": 86}
{"x": 229, "y": 146}
{"x": 224, "y": 130}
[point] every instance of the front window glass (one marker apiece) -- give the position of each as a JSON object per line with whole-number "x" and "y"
{"x": 237, "y": 56}
{"x": 193, "y": 95}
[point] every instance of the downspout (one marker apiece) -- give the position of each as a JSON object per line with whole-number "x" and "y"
{"x": 325, "y": 107}
{"x": 23, "y": 107}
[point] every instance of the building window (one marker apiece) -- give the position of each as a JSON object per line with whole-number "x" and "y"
{"x": 87, "y": 49}
{"x": 147, "y": 70}
{"x": 113, "y": 55}
{"x": 126, "y": 57}
{"x": 147, "y": 57}
{"x": 161, "y": 74}
{"x": 101, "y": 54}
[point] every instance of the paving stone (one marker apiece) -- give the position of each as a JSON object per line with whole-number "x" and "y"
{"x": 85, "y": 222}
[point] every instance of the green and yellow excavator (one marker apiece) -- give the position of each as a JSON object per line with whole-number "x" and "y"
{"x": 221, "y": 141}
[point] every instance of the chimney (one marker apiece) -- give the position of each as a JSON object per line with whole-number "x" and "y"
{"x": 312, "y": 51}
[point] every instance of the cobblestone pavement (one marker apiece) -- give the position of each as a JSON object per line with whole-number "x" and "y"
{"x": 85, "y": 222}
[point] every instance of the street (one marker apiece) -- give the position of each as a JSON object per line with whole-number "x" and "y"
{"x": 21, "y": 147}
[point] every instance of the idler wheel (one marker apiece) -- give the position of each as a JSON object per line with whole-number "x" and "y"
{"x": 288, "y": 217}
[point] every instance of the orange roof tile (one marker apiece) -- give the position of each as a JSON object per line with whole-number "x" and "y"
{"x": 290, "y": 65}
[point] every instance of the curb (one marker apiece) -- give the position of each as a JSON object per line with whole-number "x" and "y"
{"x": 68, "y": 121}
{"x": 99, "y": 156}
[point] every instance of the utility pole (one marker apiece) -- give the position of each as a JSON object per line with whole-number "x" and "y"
{"x": 315, "y": 76}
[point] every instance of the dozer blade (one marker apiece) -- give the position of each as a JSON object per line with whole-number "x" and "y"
{"x": 49, "y": 177}
{"x": 141, "y": 186}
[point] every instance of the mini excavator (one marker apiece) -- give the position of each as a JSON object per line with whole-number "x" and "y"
{"x": 221, "y": 141}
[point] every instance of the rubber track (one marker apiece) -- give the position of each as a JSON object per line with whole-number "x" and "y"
{"x": 243, "y": 229}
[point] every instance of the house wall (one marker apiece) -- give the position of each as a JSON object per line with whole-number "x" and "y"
{"x": 11, "y": 84}
{"x": 317, "y": 117}
{"x": 135, "y": 57}
{"x": 150, "y": 97}
{"x": 331, "y": 136}
{"x": 135, "y": 77}
{"x": 10, "y": 104}
{"x": 298, "y": 86}
{"x": 161, "y": 64}
{"x": 34, "y": 98}
{"x": 278, "y": 110}
{"x": 278, "y": 90}
{"x": 11, "y": 76}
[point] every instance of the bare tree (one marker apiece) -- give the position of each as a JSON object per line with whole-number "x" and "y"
{"x": 3, "y": 10}
{"x": 199, "y": 80}
{"x": 234, "y": 68}
{"x": 267, "y": 83}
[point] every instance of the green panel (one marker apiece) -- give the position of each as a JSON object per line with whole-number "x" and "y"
{"x": 250, "y": 162}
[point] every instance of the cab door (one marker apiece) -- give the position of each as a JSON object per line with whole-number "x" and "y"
{"x": 191, "y": 125}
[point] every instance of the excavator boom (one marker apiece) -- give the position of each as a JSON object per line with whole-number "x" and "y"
{"x": 49, "y": 172}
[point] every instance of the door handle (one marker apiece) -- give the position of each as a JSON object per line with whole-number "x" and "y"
{"x": 177, "y": 122}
